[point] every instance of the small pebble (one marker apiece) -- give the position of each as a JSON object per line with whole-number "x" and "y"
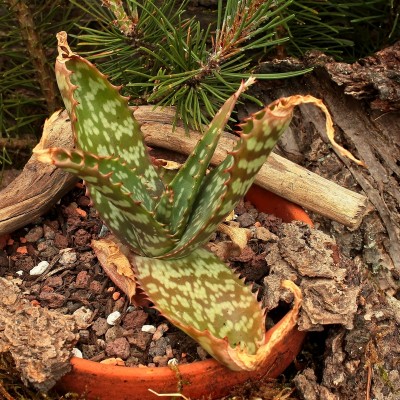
{"x": 47, "y": 249}
{"x": 103, "y": 231}
{"x": 161, "y": 361}
{"x": 119, "y": 304}
{"x": 54, "y": 300}
{"x": 173, "y": 362}
{"x": 118, "y": 348}
{"x": 54, "y": 281}
{"x": 135, "y": 320}
{"x": 116, "y": 295}
{"x": 39, "y": 269}
{"x": 82, "y": 279}
{"x": 161, "y": 329}
{"x": 149, "y": 328}
{"x": 34, "y": 234}
{"x": 68, "y": 256}
{"x": 132, "y": 361}
{"x": 20, "y": 272}
{"x": 82, "y": 317}
{"x": 77, "y": 353}
{"x": 22, "y": 250}
{"x": 140, "y": 340}
{"x": 168, "y": 352}
{"x": 246, "y": 220}
{"x": 84, "y": 336}
{"x": 265, "y": 235}
{"x": 89, "y": 351}
{"x": 113, "y": 318}
{"x": 113, "y": 361}
{"x": 95, "y": 286}
{"x": 60, "y": 241}
{"x": 25, "y": 263}
{"x": 49, "y": 232}
{"x": 81, "y": 237}
{"x": 100, "y": 326}
{"x": 159, "y": 348}
{"x": 115, "y": 332}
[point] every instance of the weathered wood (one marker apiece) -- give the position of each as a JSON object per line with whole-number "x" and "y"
{"x": 278, "y": 174}
{"x": 373, "y": 136}
{"x": 40, "y": 186}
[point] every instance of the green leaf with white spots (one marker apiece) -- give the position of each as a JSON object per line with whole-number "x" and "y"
{"x": 186, "y": 184}
{"x": 200, "y": 293}
{"x": 108, "y": 177}
{"x": 102, "y": 121}
{"x": 203, "y": 297}
{"x": 223, "y": 187}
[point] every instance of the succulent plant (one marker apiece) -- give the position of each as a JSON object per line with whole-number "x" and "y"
{"x": 166, "y": 224}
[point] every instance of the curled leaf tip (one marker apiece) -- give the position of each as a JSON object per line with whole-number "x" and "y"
{"x": 250, "y": 81}
{"x": 64, "y": 50}
{"x": 286, "y": 104}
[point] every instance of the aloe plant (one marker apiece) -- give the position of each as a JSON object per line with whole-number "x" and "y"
{"x": 165, "y": 224}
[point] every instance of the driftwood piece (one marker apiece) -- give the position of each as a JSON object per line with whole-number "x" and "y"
{"x": 278, "y": 174}
{"x": 40, "y": 186}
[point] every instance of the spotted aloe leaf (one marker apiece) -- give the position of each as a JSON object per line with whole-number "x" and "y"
{"x": 186, "y": 185}
{"x": 229, "y": 182}
{"x": 128, "y": 196}
{"x": 207, "y": 300}
{"x": 102, "y": 122}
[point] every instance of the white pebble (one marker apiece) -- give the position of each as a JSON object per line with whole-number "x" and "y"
{"x": 113, "y": 317}
{"x": 82, "y": 317}
{"x": 39, "y": 269}
{"x": 77, "y": 353}
{"x": 149, "y": 328}
{"x": 20, "y": 272}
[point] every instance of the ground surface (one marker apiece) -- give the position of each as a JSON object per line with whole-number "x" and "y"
{"x": 74, "y": 284}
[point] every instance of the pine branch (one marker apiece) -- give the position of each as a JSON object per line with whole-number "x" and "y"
{"x": 170, "y": 61}
{"x": 36, "y": 52}
{"x": 126, "y": 24}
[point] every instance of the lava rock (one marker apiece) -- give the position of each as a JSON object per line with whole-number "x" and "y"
{"x": 118, "y": 348}
{"x": 34, "y": 234}
{"x": 134, "y": 320}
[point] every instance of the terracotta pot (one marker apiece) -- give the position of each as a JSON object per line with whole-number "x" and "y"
{"x": 204, "y": 379}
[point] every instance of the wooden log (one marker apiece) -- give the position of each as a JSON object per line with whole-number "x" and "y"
{"x": 278, "y": 174}
{"x": 39, "y": 186}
